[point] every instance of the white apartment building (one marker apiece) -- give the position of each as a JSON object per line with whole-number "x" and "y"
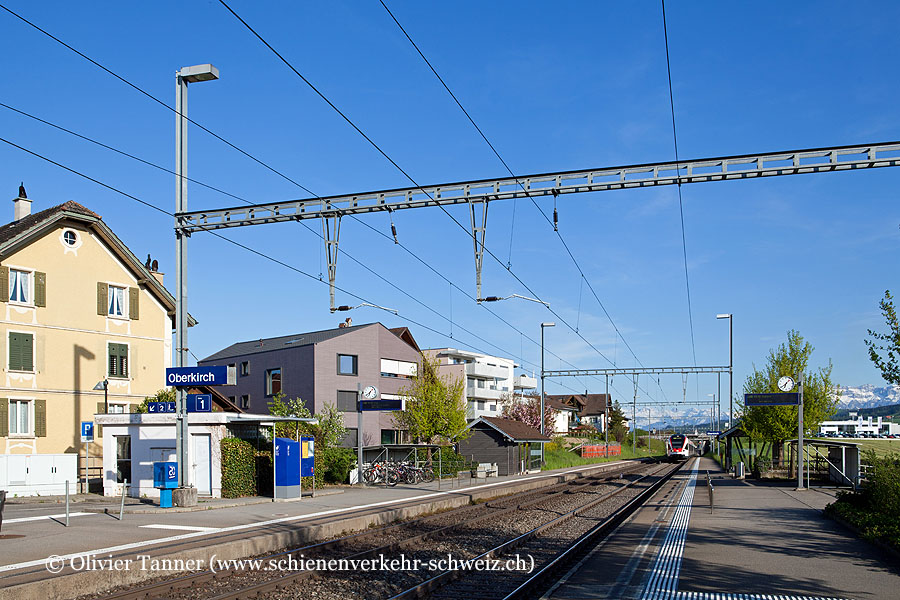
{"x": 487, "y": 378}
{"x": 858, "y": 424}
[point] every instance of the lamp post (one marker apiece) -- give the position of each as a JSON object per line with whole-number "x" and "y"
{"x": 182, "y": 78}
{"x": 543, "y": 325}
{"x": 729, "y": 316}
{"x": 104, "y": 385}
{"x": 713, "y": 416}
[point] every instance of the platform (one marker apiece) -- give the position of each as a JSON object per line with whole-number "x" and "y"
{"x": 232, "y": 532}
{"x": 761, "y": 540}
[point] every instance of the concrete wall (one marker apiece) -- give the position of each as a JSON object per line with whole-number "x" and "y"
{"x": 71, "y": 339}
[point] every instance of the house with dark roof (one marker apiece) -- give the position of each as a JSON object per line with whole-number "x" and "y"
{"x": 325, "y": 367}
{"x": 579, "y": 409}
{"x": 502, "y": 442}
{"x": 79, "y": 309}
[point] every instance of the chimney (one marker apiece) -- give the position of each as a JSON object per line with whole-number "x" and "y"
{"x": 22, "y": 205}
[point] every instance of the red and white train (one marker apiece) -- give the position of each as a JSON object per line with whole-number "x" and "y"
{"x": 680, "y": 447}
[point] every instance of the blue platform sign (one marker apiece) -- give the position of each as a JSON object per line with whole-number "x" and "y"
{"x": 160, "y": 407}
{"x": 777, "y": 399}
{"x": 188, "y": 376}
{"x": 307, "y": 456}
{"x": 87, "y": 431}
{"x": 713, "y": 433}
{"x": 199, "y": 403}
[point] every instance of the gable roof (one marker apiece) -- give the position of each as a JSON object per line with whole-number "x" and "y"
{"x": 568, "y": 402}
{"x": 285, "y": 341}
{"x": 594, "y": 405}
{"x": 18, "y": 234}
{"x": 515, "y": 431}
{"x": 406, "y": 335}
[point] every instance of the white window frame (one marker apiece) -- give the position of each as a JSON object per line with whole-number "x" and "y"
{"x": 29, "y": 403}
{"x": 122, "y": 405}
{"x": 110, "y": 287}
{"x": 29, "y": 302}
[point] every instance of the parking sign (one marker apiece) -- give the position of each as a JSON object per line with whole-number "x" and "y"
{"x": 87, "y": 431}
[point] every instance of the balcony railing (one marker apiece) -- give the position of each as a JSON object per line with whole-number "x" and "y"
{"x": 525, "y": 382}
{"x": 486, "y": 371}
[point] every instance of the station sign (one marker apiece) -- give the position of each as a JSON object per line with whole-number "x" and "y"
{"x": 191, "y": 376}
{"x": 160, "y": 407}
{"x": 199, "y": 403}
{"x": 87, "y": 431}
{"x": 778, "y": 399}
{"x": 713, "y": 433}
{"x": 383, "y": 404}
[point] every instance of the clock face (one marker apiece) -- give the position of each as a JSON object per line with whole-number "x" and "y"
{"x": 785, "y": 384}
{"x": 370, "y": 392}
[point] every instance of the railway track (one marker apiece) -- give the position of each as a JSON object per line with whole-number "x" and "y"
{"x": 411, "y": 536}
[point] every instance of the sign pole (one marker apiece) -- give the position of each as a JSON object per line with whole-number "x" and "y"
{"x": 800, "y": 436}
{"x": 359, "y": 436}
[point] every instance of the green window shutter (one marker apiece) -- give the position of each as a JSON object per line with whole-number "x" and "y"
{"x": 134, "y": 304}
{"x": 21, "y": 351}
{"x": 40, "y": 289}
{"x": 40, "y": 418}
{"x": 4, "y": 417}
{"x": 101, "y": 408}
{"x": 4, "y": 284}
{"x": 102, "y": 298}
{"x": 118, "y": 360}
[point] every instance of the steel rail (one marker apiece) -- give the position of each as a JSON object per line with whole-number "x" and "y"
{"x": 491, "y": 512}
{"x": 723, "y": 168}
{"x": 178, "y": 584}
{"x": 434, "y": 583}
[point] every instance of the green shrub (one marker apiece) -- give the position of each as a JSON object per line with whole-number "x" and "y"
{"x": 238, "y": 468}
{"x": 337, "y": 464}
{"x": 875, "y": 508}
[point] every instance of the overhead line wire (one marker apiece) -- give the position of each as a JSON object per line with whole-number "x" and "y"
{"x": 687, "y": 281}
{"x": 214, "y": 233}
{"x": 399, "y": 168}
{"x": 514, "y": 176}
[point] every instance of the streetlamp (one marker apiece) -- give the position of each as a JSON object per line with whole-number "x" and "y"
{"x": 729, "y": 316}
{"x": 182, "y": 78}
{"x": 714, "y": 416}
{"x": 543, "y": 325}
{"x": 104, "y": 385}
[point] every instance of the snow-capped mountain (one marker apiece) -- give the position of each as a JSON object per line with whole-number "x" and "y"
{"x": 868, "y": 396}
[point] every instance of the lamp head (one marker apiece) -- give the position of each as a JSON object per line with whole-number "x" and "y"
{"x": 723, "y": 316}
{"x": 197, "y": 73}
{"x": 548, "y": 324}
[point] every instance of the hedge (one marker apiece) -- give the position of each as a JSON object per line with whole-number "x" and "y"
{"x": 238, "y": 468}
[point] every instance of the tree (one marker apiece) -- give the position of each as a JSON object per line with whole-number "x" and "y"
{"x": 281, "y": 406}
{"x": 617, "y": 422}
{"x": 527, "y": 409}
{"x": 331, "y": 422}
{"x": 163, "y": 395}
{"x": 435, "y": 405}
{"x": 884, "y": 348}
{"x": 778, "y": 423}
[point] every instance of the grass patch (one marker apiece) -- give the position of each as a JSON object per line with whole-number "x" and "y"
{"x": 561, "y": 459}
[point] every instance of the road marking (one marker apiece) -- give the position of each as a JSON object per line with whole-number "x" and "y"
{"x": 333, "y": 511}
{"x": 730, "y": 596}
{"x": 42, "y": 517}
{"x": 180, "y": 527}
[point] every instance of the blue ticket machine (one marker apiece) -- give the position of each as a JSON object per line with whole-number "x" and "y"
{"x": 165, "y": 478}
{"x": 287, "y": 468}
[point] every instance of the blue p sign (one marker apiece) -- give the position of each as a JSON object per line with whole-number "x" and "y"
{"x": 87, "y": 431}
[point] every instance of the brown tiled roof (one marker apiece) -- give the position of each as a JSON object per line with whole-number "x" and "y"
{"x": 565, "y": 401}
{"x": 517, "y": 431}
{"x": 11, "y": 230}
{"x": 406, "y": 335}
{"x": 594, "y": 405}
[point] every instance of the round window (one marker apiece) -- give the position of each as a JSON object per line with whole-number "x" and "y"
{"x": 70, "y": 238}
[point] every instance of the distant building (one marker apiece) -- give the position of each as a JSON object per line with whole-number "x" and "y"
{"x": 859, "y": 425}
{"x": 487, "y": 378}
{"x": 325, "y": 367}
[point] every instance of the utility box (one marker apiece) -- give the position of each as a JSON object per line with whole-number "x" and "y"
{"x": 287, "y": 468}
{"x": 165, "y": 479}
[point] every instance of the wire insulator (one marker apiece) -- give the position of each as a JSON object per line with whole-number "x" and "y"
{"x": 394, "y": 231}
{"x": 555, "y": 219}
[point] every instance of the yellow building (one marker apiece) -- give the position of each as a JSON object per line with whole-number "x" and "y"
{"x": 79, "y": 308}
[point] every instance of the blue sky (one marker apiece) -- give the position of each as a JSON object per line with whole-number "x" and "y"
{"x": 580, "y": 85}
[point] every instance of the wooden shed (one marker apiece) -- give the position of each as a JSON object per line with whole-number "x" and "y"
{"x": 502, "y": 441}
